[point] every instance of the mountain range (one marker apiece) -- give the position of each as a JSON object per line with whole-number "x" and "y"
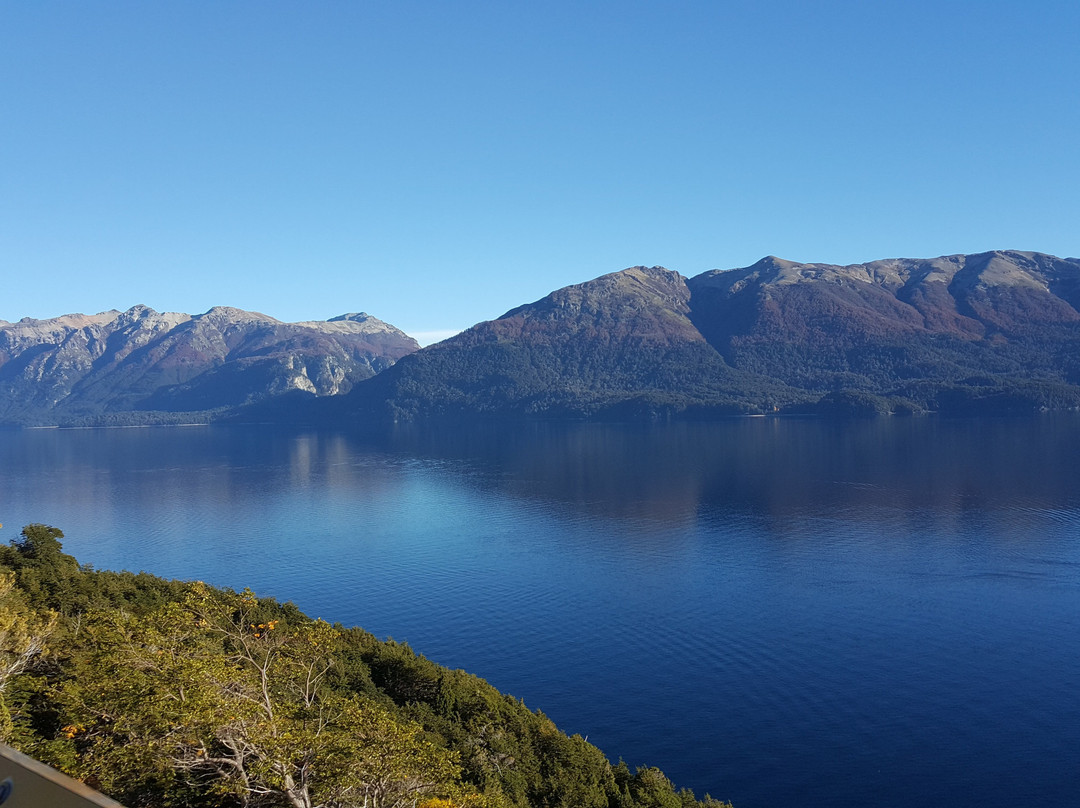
{"x": 992, "y": 333}
{"x": 996, "y": 332}
{"x": 144, "y": 366}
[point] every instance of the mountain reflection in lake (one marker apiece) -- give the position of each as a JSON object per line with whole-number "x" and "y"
{"x": 779, "y": 612}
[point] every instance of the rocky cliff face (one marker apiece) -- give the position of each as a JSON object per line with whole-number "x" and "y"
{"x": 994, "y": 332}
{"x": 78, "y": 368}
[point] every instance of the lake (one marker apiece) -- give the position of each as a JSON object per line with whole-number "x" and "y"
{"x": 778, "y": 612}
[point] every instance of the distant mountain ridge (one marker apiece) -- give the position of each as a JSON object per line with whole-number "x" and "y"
{"x": 995, "y": 332}
{"x": 992, "y": 332}
{"x": 140, "y": 364}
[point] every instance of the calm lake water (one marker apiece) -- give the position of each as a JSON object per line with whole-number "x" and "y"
{"x": 883, "y": 613}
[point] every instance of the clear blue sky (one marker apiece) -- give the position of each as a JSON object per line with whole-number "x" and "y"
{"x": 438, "y": 163}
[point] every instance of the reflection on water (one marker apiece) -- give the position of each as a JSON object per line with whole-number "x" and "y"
{"x": 774, "y": 466}
{"x": 775, "y": 611}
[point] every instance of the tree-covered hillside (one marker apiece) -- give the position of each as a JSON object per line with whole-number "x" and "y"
{"x": 620, "y": 346}
{"x": 171, "y": 693}
{"x": 991, "y": 333}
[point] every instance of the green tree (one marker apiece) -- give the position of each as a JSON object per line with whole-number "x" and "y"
{"x": 47, "y": 576}
{"x": 236, "y": 704}
{"x": 23, "y": 635}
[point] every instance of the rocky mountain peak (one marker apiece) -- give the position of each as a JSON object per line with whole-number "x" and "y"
{"x": 233, "y": 315}
{"x": 362, "y": 323}
{"x": 141, "y": 316}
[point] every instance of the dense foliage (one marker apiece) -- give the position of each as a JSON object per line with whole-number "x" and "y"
{"x": 569, "y": 379}
{"x": 169, "y": 693}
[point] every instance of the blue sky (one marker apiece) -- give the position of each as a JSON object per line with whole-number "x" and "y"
{"x": 438, "y": 163}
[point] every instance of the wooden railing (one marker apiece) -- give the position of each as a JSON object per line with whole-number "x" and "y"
{"x": 27, "y": 783}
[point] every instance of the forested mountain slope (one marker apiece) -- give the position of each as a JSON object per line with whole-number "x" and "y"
{"x": 623, "y": 344}
{"x": 997, "y": 330}
{"x": 993, "y": 332}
